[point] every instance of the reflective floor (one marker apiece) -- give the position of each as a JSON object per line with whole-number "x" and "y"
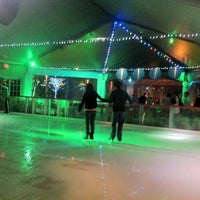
{"x": 45, "y": 158}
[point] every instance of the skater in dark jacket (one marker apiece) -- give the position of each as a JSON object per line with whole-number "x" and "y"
{"x": 89, "y": 99}
{"x": 118, "y": 98}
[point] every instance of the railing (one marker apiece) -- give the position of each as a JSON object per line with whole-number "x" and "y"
{"x": 150, "y": 115}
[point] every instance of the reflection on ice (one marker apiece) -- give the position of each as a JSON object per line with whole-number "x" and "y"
{"x": 149, "y": 163}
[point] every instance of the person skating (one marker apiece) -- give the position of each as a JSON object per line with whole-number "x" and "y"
{"x": 118, "y": 98}
{"x": 89, "y": 99}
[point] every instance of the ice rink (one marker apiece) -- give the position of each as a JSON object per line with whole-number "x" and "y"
{"x": 46, "y": 158}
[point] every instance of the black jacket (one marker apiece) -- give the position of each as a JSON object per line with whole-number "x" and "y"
{"x": 90, "y": 100}
{"x": 119, "y": 97}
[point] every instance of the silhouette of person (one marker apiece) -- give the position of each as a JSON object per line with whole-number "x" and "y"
{"x": 118, "y": 98}
{"x": 6, "y": 97}
{"x": 188, "y": 99}
{"x": 168, "y": 100}
{"x": 143, "y": 99}
{"x": 89, "y": 99}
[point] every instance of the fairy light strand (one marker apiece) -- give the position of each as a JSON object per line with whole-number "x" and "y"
{"x": 131, "y": 36}
{"x": 109, "y": 47}
{"x": 149, "y": 45}
{"x": 99, "y": 39}
{"x": 86, "y": 68}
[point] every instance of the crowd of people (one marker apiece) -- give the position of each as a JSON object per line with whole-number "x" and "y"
{"x": 175, "y": 99}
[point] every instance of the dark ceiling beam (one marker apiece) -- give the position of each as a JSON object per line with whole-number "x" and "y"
{"x": 102, "y": 9}
{"x": 194, "y": 3}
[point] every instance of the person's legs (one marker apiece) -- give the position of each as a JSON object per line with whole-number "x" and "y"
{"x": 6, "y": 106}
{"x": 87, "y": 120}
{"x": 92, "y": 123}
{"x": 114, "y": 122}
{"x": 121, "y": 118}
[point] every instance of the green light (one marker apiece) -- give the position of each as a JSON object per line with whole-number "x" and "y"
{"x": 32, "y": 63}
{"x": 171, "y": 40}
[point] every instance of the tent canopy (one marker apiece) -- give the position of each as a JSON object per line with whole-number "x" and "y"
{"x": 77, "y": 33}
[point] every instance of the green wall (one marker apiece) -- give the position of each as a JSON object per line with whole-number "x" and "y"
{"x": 25, "y": 75}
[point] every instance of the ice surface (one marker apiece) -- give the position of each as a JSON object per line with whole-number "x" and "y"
{"x": 45, "y": 158}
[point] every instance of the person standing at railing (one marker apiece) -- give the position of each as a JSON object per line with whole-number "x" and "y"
{"x": 187, "y": 99}
{"x": 143, "y": 99}
{"x": 6, "y": 97}
{"x": 167, "y": 100}
{"x": 118, "y": 99}
{"x": 197, "y": 101}
{"x": 174, "y": 116}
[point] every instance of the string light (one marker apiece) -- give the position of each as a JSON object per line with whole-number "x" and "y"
{"x": 130, "y": 36}
{"x": 99, "y": 39}
{"x": 147, "y": 44}
{"x": 109, "y": 47}
{"x": 180, "y": 35}
{"x": 147, "y": 68}
{"x": 28, "y": 44}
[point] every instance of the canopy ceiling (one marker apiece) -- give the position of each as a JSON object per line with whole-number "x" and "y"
{"x": 50, "y": 32}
